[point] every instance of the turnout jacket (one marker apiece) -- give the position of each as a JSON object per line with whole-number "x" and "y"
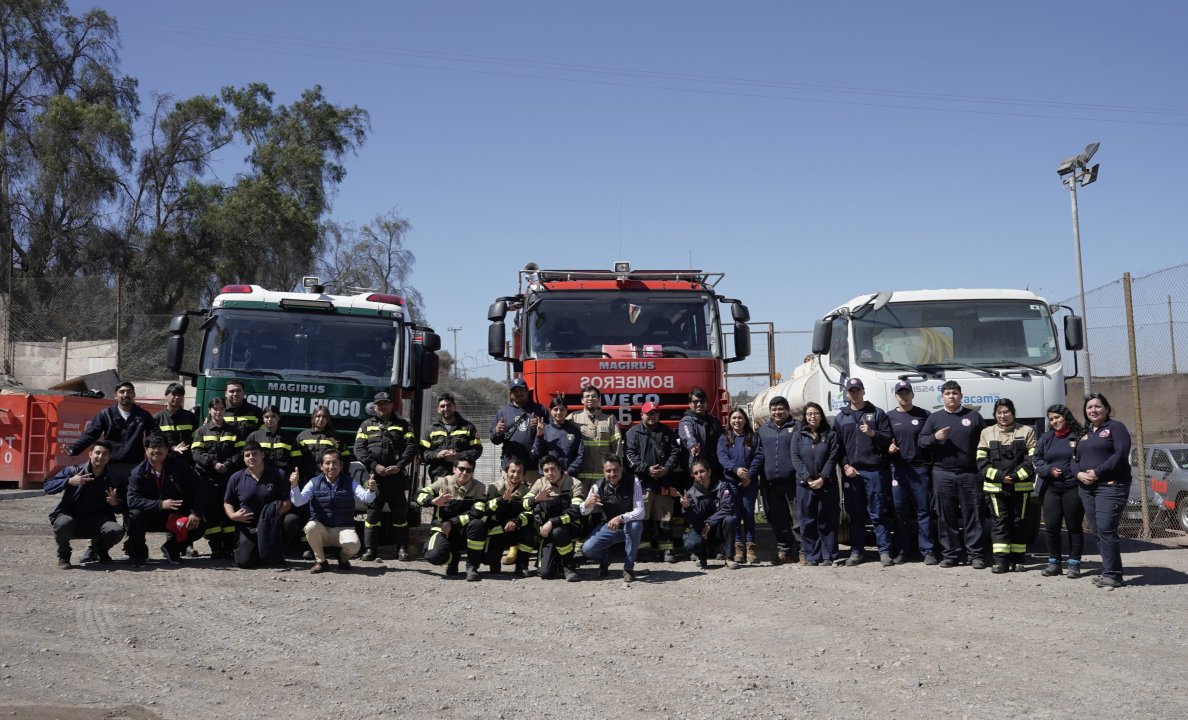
{"x": 602, "y": 438}
{"x": 500, "y": 512}
{"x": 1007, "y": 451}
{"x": 214, "y": 444}
{"x": 177, "y": 427}
{"x": 313, "y": 443}
{"x": 126, "y": 436}
{"x": 461, "y": 437}
{"x": 469, "y": 501}
{"x": 386, "y": 442}
{"x": 245, "y": 419}
{"x": 646, "y": 447}
{"x": 561, "y": 508}
{"x": 178, "y": 481}
{"x": 85, "y": 500}
{"x": 281, "y": 450}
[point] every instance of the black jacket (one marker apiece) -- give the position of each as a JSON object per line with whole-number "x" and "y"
{"x": 86, "y": 500}
{"x": 462, "y": 438}
{"x": 646, "y": 447}
{"x": 178, "y": 482}
{"x": 126, "y": 436}
{"x": 773, "y": 452}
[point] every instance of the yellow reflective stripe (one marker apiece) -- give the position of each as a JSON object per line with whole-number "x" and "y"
{"x": 1000, "y": 548}
{"x": 991, "y": 473}
{"x": 994, "y": 502}
{"x": 1022, "y": 474}
{"x": 525, "y": 548}
{"x": 480, "y": 506}
{"x": 437, "y": 432}
{"x": 425, "y": 444}
{"x": 565, "y": 549}
{"x": 596, "y": 443}
{"x": 400, "y": 524}
{"x": 982, "y": 454}
{"x": 459, "y": 432}
{"x": 475, "y": 544}
{"x": 1015, "y": 548}
{"x": 1024, "y": 487}
{"x": 175, "y": 428}
{"x": 462, "y": 519}
{"x": 368, "y": 524}
{"x": 991, "y": 487}
{"x": 495, "y": 530}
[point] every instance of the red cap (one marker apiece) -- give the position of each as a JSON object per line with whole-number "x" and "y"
{"x": 176, "y": 524}
{"x": 649, "y": 407}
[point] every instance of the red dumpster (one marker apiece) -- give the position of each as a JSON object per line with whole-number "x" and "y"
{"x": 36, "y": 429}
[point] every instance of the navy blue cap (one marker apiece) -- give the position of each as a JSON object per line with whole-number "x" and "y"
{"x": 517, "y": 383}
{"x": 853, "y": 383}
{"x": 903, "y": 385}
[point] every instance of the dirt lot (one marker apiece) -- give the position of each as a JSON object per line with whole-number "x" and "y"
{"x": 395, "y": 639}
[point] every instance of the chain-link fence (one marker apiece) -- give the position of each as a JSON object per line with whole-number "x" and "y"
{"x": 58, "y": 328}
{"x": 1149, "y": 394}
{"x": 774, "y": 355}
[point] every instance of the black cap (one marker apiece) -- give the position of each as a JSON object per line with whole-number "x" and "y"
{"x": 382, "y": 397}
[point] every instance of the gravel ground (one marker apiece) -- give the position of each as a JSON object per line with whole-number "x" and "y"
{"x": 395, "y": 639}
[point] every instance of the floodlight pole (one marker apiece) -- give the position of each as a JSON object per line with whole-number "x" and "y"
{"x": 1071, "y": 181}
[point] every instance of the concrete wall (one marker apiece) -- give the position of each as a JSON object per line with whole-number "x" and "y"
{"x": 1164, "y": 400}
{"x": 39, "y": 364}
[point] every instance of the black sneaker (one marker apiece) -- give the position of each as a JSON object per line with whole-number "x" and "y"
{"x": 628, "y": 576}
{"x": 1108, "y": 583}
{"x": 307, "y": 555}
{"x": 947, "y": 563}
{"x": 977, "y": 564}
{"x": 853, "y": 560}
{"x": 451, "y": 570}
{"x": 369, "y": 554}
{"x": 931, "y": 560}
{"x": 103, "y": 557}
{"x": 344, "y": 565}
{"x": 190, "y": 552}
{"x": 64, "y": 562}
{"x": 402, "y": 554}
{"x": 669, "y": 556}
{"x": 886, "y": 560}
{"x": 170, "y": 554}
{"x": 88, "y": 556}
{"x": 1074, "y": 571}
{"x": 472, "y": 575}
{"x": 523, "y": 572}
{"x": 999, "y": 567}
{"x": 900, "y": 559}
{"x": 571, "y": 575}
{"x": 137, "y": 562}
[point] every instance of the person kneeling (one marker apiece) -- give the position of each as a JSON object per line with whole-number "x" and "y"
{"x": 257, "y": 499}
{"x": 331, "y": 499}
{"x": 555, "y": 510}
{"x": 622, "y": 503}
{"x": 460, "y": 504}
{"x": 164, "y": 494}
{"x": 709, "y": 515}
{"x": 88, "y": 506}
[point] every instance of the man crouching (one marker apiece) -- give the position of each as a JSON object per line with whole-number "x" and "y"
{"x": 460, "y": 504}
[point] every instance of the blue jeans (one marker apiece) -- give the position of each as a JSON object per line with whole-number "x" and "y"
{"x": 597, "y": 546}
{"x": 746, "y": 513}
{"x": 1103, "y": 506}
{"x": 866, "y": 495}
{"x": 911, "y": 491}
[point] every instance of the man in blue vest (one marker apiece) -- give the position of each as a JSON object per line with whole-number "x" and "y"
{"x": 331, "y": 499}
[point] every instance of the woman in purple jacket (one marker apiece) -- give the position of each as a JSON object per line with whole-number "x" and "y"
{"x": 736, "y": 450}
{"x": 1102, "y": 467}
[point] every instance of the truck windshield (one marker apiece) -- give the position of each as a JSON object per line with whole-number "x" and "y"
{"x": 289, "y": 344}
{"x": 984, "y": 333}
{"x": 622, "y": 324}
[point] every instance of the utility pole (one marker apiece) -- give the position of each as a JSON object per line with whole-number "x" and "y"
{"x": 455, "y": 330}
{"x": 1073, "y": 171}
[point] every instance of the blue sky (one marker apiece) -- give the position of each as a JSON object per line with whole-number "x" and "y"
{"x": 811, "y": 151}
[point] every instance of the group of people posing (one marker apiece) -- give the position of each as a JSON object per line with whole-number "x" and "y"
{"x": 572, "y": 485}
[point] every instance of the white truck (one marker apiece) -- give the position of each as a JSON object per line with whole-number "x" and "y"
{"x": 995, "y": 343}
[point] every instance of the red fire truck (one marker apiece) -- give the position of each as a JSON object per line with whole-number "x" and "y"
{"x": 636, "y": 335}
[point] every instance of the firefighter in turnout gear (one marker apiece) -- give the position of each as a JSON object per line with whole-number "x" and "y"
{"x": 1006, "y": 455}
{"x": 509, "y": 526}
{"x": 460, "y": 505}
{"x": 177, "y": 423}
{"x": 280, "y": 448}
{"x": 218, "y": 452}
{"x": 449, "y": 438}
{"x": 386, "y": 446}
{"x": 243, "y": 416}
{"x": 319, "y": 438}
{"x": 601, "y": 435}
{"x": 557, "y": 514}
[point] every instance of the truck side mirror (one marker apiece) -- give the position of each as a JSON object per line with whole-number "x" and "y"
{"x": 740, "y": 313}
{"x": 742, "y": 342}
{"x": 178, "y": 324}
{"x": 1074, "y": 333}
{"x": 430, "y": 370}
{"x": 497, "y": 311}
{"x": 175, "y": 347}
{"x": 497, "y": 340}
{"x": 431, "y": 341}
{"x": 822, "y": 336}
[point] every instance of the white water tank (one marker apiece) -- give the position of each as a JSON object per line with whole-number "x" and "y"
{"x": 799, "y": 390}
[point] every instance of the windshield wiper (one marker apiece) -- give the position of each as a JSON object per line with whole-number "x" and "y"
{"x": 1013, "y": 364}
{"x": 578, "y": 353}
{"x": 954, "y": 365}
